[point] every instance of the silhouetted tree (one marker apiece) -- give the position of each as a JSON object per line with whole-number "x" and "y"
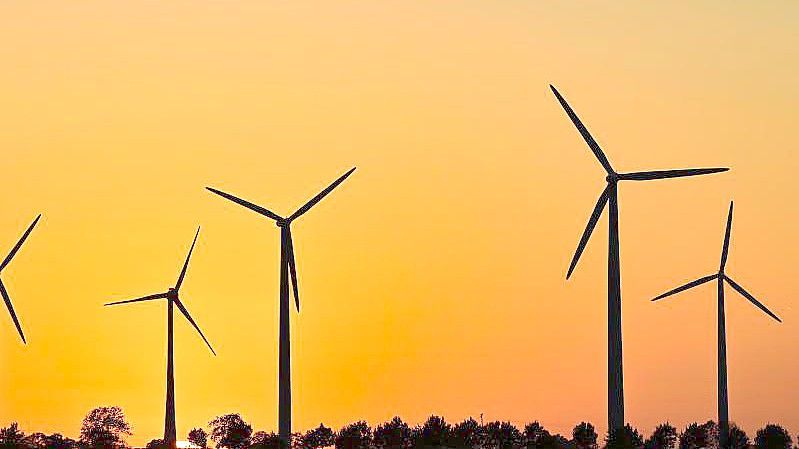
{"x": 584, "y": 436}
{"x": 230, "y": 431}
{"x": 434, "y": 432}
{"x": 562, "y": 442}
{"x": 502, "y": 435}
{"x": 266, "y": 440}
{"x": 738, "y": 438}
{"x": 773, "y": 437}
{"x": 557, "y": 441}
{"x": 536, "y": 436}
{"x": 54, "y": 441}
{"x": 320, "y": 437}
{"x": 395, "y": 434}
{"x": 664, "y": 437}
{"x": 354, "y": 436}
{"x": 625, "y": 438}
{"x": 157, "y": 443}
{"x": 467, "y": 434}
{"x": 36, "y": 440}
{"x": 697, "y": 436}
{"x": 296, "y": 440}
{"x": 104, "y": 428}
{"x": 12, "y": 437}
{"x": 198, "y": 437}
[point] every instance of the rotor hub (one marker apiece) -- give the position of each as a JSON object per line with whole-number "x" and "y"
{"x": 612, "y": 177}
{"x": 282, "y": 223}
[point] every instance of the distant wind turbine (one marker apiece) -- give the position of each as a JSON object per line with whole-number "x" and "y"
{"x": 609, "y": 196}
{"x": 288, "y": 269}
{"x": 3, "y": 291}
{"x": 173, "y": 299}
{"x": 721, "y": 277}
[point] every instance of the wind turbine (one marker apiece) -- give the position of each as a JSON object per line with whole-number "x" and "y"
{"x": 288, "y": 269}
{"x": 173, "y": 300}
{"x": 721, "y": 277}
{"x": 609, "y": 197}
{"x": 3, "y": 287}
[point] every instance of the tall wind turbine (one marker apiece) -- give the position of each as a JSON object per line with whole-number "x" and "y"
{"x": 3, "y": 291}
{"x": 609, "y": 197}
{"x": 173, "y": 299}
{"x": 288, "y": 269}
{"x": 720, "y": 277}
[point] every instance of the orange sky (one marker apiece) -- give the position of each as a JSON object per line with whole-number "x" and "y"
{"x": 433, "y": 279}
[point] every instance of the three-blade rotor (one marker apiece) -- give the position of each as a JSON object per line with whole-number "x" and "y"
{"x": 3, "y": 290}
{"x": 613, "y": 177}
{"x": 287, "y": 242}
{"x": 721, "y": 275}
{"x": 173, "y": 295}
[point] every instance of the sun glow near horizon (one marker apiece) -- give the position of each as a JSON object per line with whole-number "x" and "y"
{"x": 433, "y": 280}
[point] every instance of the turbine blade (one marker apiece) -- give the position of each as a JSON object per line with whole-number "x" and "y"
{"x": 247, "y": 204}
{"x": 589, "y": 228}
{"x": 752, "y": 299}
{"x": 691, "y": 284}
{"x": 20, "y": 242}
{"x": 143, "y": 298}
{"x": 293, "y": 270}
{"x": 726, "y": 247}
{"x": 191, "y": 320}
{"x": 186, "y": 264}
{"x": 663, "y": 174}
{"x": 307, "y": 206}
{"x": 11, "y": 311}
{"x": 583, "y": 131}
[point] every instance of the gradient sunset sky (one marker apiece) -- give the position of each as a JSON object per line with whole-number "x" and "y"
{"x": 433, "y": 279}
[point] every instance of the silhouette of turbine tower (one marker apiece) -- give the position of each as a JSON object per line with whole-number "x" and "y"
{"x": 721, "y": 277}
{"x": 288, "y": 269}
{"x": 173, "y": 300}
{"x": 609, "y": 197}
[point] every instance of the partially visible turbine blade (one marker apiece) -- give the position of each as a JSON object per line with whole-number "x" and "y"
{"x": 307, "y": 206}
{"x": 589, "y": 228}
{"x": 191, "y": 320}
{"x": 663, "y": 174}
{"x": 186, "y": 264}
{"x": 726, "y": 247}
{"x": 583, "y": 131}
{"x": 247, "y": 204}
{"x": 293, "y": 269}
{"x": 143, "y": 298}
{"x": 19, "y": 243}
{"x": 11, "y": 311}
{"x": 691, "y": 284}
{"x": 751, "y": 299}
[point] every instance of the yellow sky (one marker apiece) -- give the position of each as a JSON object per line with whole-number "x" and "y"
{"x": 433, "y": 279}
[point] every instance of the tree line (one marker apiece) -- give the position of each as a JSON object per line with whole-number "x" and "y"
{"x": 107, "y": 428}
